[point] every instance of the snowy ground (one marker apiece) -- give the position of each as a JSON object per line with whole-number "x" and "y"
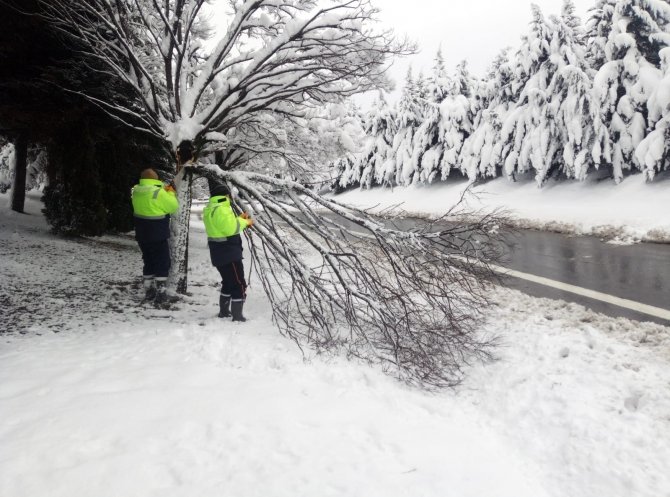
{"x": 128, "y": 402}
{"x": 628, "y": 212}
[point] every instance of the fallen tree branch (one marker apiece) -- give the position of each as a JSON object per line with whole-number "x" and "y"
{"x": 338, "y": 278}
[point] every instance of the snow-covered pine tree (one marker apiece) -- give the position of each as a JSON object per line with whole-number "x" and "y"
{"x": 637, "y": 31}
{"x": 447, "y": 123}
{"x": 571, "y": 110}
{"x": 345, "y": 171}
{"x": 457, "y": 113}
{"x": 422, "y": 90}
{"x": 523, "y": 137}
{"x": 482, "y": 151}
{"x": 408, "y": 120}
{"x": 599, "y": 26}
{"x": 332, "y": 134}
{"x": 653, "y": 153}
{"x": 532, "y": 53}
{"x": 439, "y": 81}
{"x": 428, "y": 147}
{"x": 463, "y": 80}
{"x": 379, "y": 131}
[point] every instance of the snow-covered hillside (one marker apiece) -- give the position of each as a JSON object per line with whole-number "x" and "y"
{"x": 129, "y": 401}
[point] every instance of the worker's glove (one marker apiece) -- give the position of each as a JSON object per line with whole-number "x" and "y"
{"x": 245, "y": 216}
{"x": 170, "y": 188}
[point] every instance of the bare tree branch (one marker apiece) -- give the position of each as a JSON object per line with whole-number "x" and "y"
{"x": 337, "y": 278}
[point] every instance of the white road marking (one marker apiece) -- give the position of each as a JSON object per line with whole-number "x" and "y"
{"x": 585, "y": 292}
{"x": 649, "y": 310}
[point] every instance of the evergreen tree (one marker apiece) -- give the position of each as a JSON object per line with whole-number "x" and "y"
{"x": 345, "y": 172}
{"x": 458, "y": 112}
{"x": 627, "y": 78}
{"x": 379, "y": 130}
{"x": 439, "y": 81}
{"x": 524, "y": 140}
{"x": 598, "y": 29}
{"x": 533, "y": 52}
{"x": 422, "y": 93}
{"x": 463, "y": 81}
{"x": 439, "y": 138}
{"x": 551, "y": 129}
{"x": 409, "y": 118}
{"x": 482, "y": 151}
{"x": 653, "y": 153}
{"x": 427, "y": 149}
{"x": 571, "y": 112}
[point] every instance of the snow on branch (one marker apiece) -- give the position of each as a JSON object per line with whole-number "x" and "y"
{"x": 339, "y": 278}
{"x": 273, "y": 55}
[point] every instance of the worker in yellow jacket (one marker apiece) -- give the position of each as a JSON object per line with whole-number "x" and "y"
{"x": 223, "y": 228}
{"x": 153, "y": 202}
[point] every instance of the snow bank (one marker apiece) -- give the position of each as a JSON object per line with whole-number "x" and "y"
{"x": 630, "y": 211}
{"x": 136, "y": 402}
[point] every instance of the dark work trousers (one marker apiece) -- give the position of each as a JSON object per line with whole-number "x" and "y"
{"x": 233, "y": 284}
{"x": 156, "y": 257}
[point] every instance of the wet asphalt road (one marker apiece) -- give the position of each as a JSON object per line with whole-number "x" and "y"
{"x": 639, "y": 272}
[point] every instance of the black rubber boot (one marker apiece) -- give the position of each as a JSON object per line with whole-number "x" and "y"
{"x": 236, "y": 307}
{"x": 224, "y": 306}
{"x": 161, "y": 299}
{"x": 149, "y": 289}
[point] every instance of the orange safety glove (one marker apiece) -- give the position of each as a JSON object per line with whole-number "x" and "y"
{"x": 244, "y": 215}
{"x": 170, "y": 188}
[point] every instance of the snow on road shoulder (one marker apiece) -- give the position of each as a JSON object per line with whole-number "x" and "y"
{"x": 586, "y": 395}
{"x": 180, "y": 403}
{"x": 623, "y": 213}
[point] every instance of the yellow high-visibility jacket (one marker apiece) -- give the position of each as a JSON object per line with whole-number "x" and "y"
{"x": 223, "y": 228}
{"x": 152, "y": 206}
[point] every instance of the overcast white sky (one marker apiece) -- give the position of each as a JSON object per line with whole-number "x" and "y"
{"x": 474, "y": 30}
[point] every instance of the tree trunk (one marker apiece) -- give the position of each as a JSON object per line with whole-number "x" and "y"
{"x": 20, "y": 165}
{"x": 179, "y": 228}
